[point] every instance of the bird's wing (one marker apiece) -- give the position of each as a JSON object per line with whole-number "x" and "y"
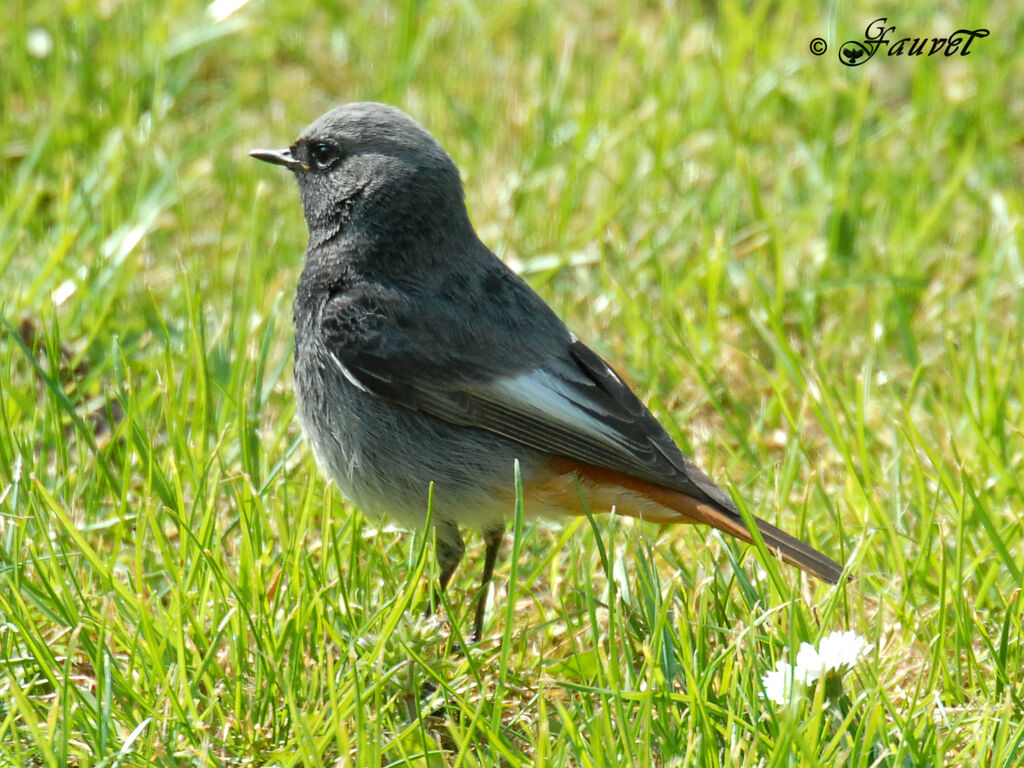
{"x": 538, "y": 386}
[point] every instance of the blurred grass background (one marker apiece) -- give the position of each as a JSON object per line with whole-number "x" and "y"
{"x": 811, "y": 272}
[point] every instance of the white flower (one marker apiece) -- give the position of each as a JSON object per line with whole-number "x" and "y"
{"x": 840, "y": 650}
{"x": 809, "y": 663}
{"x": 39, "y": 42}
{"x": 837, "y": 652}
{"x": 780, "y": 682}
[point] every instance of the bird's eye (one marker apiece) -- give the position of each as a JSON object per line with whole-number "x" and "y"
{"x": 323, "y": 154}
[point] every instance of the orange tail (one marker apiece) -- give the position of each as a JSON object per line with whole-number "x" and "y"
{"x": 789, "y": 548}
{"x": 638, "y": 498}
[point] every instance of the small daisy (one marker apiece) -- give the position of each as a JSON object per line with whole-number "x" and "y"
{"x": 810, "y": 665}
{"x": 841, "y": 650}
{"x": 780, "y": 683}
{"x": 837, "y": 652}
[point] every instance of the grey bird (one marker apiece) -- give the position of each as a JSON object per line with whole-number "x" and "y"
{"x": 421, "y": 358}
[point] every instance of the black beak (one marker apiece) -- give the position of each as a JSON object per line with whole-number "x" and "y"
{"x": 277, "y": 157}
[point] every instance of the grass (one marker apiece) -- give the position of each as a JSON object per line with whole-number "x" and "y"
{"x": 812, "y": 273}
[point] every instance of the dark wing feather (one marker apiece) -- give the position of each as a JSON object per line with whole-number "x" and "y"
{"x": 534, "y": 383}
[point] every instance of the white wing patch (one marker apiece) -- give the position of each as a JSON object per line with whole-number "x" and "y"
{"x": 549, "y": 396}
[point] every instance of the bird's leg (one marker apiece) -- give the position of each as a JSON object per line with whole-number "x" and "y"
{"x": 450, "y": 549}
{"x": 492, "y": 539}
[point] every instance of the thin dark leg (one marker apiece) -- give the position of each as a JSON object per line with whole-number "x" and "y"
{"x": 492, "y": 539}
{"x": 450, "y": 550}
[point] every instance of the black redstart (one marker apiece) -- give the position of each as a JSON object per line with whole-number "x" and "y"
{"x": 421, "y": 358}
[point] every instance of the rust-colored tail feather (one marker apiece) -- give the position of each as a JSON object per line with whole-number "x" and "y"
{"x": 671, "y": 506}
{"x": 789, "y": 548}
